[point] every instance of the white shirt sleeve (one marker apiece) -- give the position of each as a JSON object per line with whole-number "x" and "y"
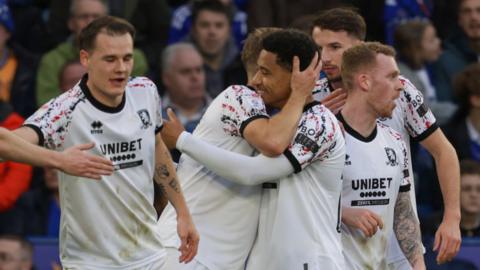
{"x": 235, "y": 167}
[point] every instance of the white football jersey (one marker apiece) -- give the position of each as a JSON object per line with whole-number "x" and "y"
{"x": 225, "y": 214}
{"x": 411, "y": 118}
{"x": 111, "y": 223}
{"x": 299, "y": 216}
{"x": 376, "y": 169}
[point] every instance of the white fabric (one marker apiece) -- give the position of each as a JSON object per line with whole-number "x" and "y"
{"x": 225, "y": 214}
{"x": 412, "y": 119}
{"x": 248, "y": 170}
{"x": 430, "y": 92}
{"x": 298, "y": 221}
{"x": 375, "y": 169}
{"x": 107, "y": 224}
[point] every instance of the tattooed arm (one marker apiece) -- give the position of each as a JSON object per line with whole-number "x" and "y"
{"x": 407, "y": 230}
{"x": 166, "y": 177}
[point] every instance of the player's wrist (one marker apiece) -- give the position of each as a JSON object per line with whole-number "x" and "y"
{"x": 452, "y": 216}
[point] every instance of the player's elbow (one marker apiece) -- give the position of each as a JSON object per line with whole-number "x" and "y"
{"x": 272, "y": 149}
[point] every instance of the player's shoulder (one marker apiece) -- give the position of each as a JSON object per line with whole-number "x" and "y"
{"x": 410, "y": 92}
{"x": 239, "y": 90}
{"x": 140, "y": 83}
{"x": 322, "y": 88}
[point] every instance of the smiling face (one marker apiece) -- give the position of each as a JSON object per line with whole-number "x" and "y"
{"x": 271, "y": 80}
{"x": 109, "y": 65}
{"x": 332, "y": 45}
{"x": 385, "y": 86}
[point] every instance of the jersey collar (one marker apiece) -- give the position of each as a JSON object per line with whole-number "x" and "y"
{"x": 354, "y": 133}
{"x": 97, "y": 104}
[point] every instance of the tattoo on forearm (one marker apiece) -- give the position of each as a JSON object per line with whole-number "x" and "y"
{"x": 407, "y": 228}
{"x": 174, "y": 185}
{"x": 161, "y": 171}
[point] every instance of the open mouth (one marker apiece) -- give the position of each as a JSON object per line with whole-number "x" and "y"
{"x": 117, "y": 81}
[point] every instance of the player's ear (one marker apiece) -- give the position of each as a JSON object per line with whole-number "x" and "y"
{"x": 84, "y": 58}
{"x": 363, "y": 81}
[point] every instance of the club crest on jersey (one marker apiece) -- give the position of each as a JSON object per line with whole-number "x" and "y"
{"x": 391, "y": 157}
{"x": 96, "y": 127}
{"x": 145, "y": 118}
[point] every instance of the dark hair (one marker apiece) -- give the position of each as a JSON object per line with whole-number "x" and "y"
{"x": 360, "y": 58}
{"x": 25, "y": 246}
{"x": 289, "y": 43}
{"x": 252, "y": 45}
{"x": 468, "y": 166}
{"x": 213, "y": 6}
{"x": 342, "y": 19}
{"x": 467, "y": 84}
{"x": 407, "y": 40}
{"x": 107, "y": 24}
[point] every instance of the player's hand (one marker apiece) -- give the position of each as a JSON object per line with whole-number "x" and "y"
{"x": 335, "y": 100}
{"x": 172, "y": 128}
{"x": 303, "y": 82}
{"x": 189, "y": 238}
{"x": 447, "y": 240}
{"x": 365, "y": 220}
{"x": 76, "y": 161}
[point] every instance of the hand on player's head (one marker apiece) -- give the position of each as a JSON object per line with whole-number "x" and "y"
{"x": 76, "y": 161}
{"x": 172, "y": 128}
{"x": 303, "y": 82}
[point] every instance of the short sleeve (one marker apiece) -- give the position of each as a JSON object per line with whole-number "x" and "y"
{"x": 240, "y": 105}
{"x": 315, "y": 138}
{"x": 158, "y": 110}
{"x": 52, "y": 120}
{"x": 406, "y": 177}
{"x": 419, "y": 119}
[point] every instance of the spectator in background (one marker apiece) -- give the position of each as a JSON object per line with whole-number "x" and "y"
{"x": 16, "y": 70}
{"x": 184, "y": 79}
{"x": 470, "y": 198}
{"x": 15, "y": 253}
{"x": 82, "y": 12}
{"x": 211, "y": 34}
{"x": 460, "y": 49}
{"x": 463, "y": 130}
{"x": 151, "y": 18}
{"x": 281, "y": 13}
{"x": 37, "y": 212}
{"x": 70, "y": 74}
{"x": 398, "y": 11}
{"x": 182, "y": 22}
{"x": 417, "y": 45}
{"x": 469, "y": 202}
{"x": 14, "y": 177}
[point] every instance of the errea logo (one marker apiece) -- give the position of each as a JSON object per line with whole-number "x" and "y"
{"x": 96, "y": 127}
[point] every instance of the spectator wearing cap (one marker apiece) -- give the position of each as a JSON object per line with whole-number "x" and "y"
{"x": 16, "y": 71}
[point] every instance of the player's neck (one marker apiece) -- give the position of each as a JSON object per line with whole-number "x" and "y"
{"x": 335, "y": 84}
{"x": 470, "y": 221}
{"x": 359, "y": 118}
{"x": 475, "y": 45}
